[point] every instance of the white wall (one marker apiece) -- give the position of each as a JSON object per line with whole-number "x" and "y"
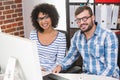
{"x": 28, "y": 6}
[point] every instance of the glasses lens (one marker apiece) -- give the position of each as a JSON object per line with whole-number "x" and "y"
{"x": 45, "y": 17}
{"x": 83, "y": 19}
{"x": 78, "y": 20}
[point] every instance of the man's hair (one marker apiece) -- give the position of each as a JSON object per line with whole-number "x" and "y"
{"x": 82, "y": 8}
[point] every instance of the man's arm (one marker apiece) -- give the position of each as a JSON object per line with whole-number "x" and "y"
{"x": 111, "y": 54}
{"x": 70, "y": 58}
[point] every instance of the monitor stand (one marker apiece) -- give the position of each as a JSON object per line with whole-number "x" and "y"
{"x": 13, "y": 71}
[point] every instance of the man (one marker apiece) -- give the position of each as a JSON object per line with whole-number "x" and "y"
{"x": 97, "y": 46}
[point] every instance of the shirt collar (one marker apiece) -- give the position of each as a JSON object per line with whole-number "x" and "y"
{"x": 97, "y": 29}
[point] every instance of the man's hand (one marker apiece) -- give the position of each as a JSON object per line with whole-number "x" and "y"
{"x": 57, "y": 69}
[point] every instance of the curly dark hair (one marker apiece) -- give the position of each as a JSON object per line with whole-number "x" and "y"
{"x": 45, "y": 8}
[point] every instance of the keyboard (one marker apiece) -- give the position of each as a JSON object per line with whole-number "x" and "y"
{"x": 52, "y": 76}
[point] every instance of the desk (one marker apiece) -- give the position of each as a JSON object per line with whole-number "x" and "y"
{"x": 85, "y": 77}
{"x": 74, "y": 76}
{"x": 1, "y": 76}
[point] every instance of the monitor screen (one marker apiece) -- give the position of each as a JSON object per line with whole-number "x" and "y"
{"x": 25, "y": 51}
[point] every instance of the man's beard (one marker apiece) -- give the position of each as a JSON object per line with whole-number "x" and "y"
{"x": 89, "y": 28}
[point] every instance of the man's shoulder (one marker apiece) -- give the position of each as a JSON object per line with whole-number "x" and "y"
{"x": 77, "y": 32}
{"x": 107, "y": 31}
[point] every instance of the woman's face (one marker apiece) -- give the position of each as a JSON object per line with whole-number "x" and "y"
{"x": 44, "y": 21}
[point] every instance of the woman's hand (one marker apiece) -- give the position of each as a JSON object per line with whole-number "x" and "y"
{"x": 43, "y": 69}
{"x": 57, "y": 69}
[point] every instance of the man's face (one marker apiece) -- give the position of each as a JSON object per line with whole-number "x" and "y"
{"x": 84, "y": 21}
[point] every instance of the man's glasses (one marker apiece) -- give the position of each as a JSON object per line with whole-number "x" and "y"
{"x": 40, "y": 19}
{"x": 83, "y": 19}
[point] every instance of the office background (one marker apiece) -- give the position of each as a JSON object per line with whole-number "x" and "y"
{"x": 15, "y": 15}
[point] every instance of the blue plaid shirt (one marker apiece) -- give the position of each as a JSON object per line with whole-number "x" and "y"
{"x": 99, "y": 53}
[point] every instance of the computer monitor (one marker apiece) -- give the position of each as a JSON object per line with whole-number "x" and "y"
{"x": 25, "y": 51}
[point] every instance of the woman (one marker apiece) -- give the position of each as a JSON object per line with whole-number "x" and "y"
{"x": 51, "y": 43}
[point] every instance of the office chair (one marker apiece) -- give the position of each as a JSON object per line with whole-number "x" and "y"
{"x": 118, "y": 61}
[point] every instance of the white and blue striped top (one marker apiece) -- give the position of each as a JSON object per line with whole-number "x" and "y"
{"x": 50, "y": 55}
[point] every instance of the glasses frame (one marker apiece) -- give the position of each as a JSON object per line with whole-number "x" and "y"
{"x": 84, "y": 19}
{"x": 42, "y": 18}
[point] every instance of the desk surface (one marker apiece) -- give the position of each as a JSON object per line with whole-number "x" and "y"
{"x": 72, "y": 76}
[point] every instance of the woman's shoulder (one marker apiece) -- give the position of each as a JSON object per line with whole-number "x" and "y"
{"x": 61, "y": 37}
{"x": 62, "y": 34}
{"x": 33, "y": 32}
